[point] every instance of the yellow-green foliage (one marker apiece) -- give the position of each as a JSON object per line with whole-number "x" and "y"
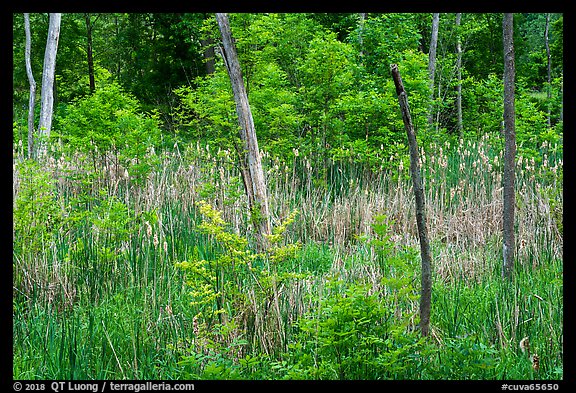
{"x": 220, "y": 280}
{"x": 278, "y": 253}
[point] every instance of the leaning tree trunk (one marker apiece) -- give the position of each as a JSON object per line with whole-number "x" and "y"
{"x": 426, "y": 280}
{"x": 32, "y": 100}
{"x": 508, "y": 246}
{"x": 47, "y": 95}
{"x": 253, "y": 174}
{"x": 432, "y": 65}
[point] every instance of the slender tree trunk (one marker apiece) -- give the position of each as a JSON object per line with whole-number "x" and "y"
{"x": 432, "y": 63}
{"x": 508, "y": 248}
{"x": 117, "y": 50}
{"x": 549, "y": 57}
{"x": 562, "y": 102}
{"x": 32, "y": 100}
{"x": 89, "y": 52}
{"x": 459, "y": 75}
{"x": 426, "y": 280}
{"x": 256, "y": 182}
{"x": 47, "y": 96}
{"x": 207, "y": 45}
{"x": 361, "y": 33}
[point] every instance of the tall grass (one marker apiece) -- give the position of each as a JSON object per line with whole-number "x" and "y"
{"x": 100, "y": 296}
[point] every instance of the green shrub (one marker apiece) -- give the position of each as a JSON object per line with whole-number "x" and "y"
{"x": 37, "y": 216}
{"x": 37, "y": 212}
{"x": 236, "y": 283}
{"x": 110, "y": 121}
{"x": 351, "y": 334}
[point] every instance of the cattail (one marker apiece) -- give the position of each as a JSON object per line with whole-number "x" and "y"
{"x": 535, "y": 362}
{"x": 148, "y": 228}
{"x": 525, "y": 346}
{"x": 195, "y": 325}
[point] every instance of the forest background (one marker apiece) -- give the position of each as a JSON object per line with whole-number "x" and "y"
{"x": 133, "y": 251}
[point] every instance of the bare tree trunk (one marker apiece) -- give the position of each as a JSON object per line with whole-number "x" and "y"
{"x": 254, "y": 176}
{"x": 259, "y": 204}
{"x": 562, "y": 103}
{"x": 90, "y": 57}
{"x": 118, "y": 67}
{"x": 47, "y": 97}
{"x": 361, "y": 33}
{"x": 32, "y": 100}
{"x": 432, "y": 63}
{"x": 426, "y": 280}
{"x": 208, "y": 54}
{"x": 508, "y": 248}
{"x": 549, "y": 57}
{"x": 459, "y": 75}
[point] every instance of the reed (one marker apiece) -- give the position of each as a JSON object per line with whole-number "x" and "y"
{"x": 100, "y": 297}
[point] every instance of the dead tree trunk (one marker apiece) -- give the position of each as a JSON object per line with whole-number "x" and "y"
{"x": 32, "y": 99}
{"x": 426, "y": 280}
{"x": 508, "y": 246}
{"x": 251, "y": 154}
{"x": 47, "y": 95}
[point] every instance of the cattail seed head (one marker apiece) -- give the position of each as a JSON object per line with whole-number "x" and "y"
{"x": 148, "y": 228}
{"x": 525, "y": 345}
{"x": 195, "y": 325}
{"x": 535, "y": 362}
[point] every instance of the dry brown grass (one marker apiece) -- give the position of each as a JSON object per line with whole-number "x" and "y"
{"x": 463, "y": 201}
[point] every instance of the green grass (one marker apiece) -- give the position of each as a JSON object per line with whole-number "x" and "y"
{"x": 97, "y": 294}
{"x": 500, "y": 314}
